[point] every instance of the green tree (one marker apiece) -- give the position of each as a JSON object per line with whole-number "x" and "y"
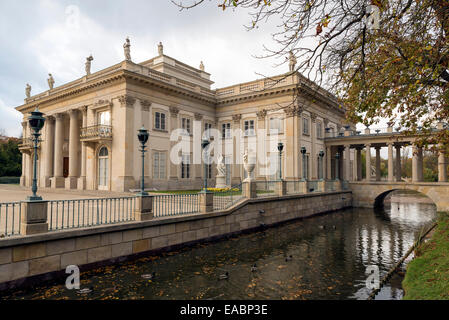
{"x": 398, "y": 71}
{"x": 10, "y": 158}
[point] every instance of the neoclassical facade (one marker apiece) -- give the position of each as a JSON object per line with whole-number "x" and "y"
{"x": 89, "y": 141}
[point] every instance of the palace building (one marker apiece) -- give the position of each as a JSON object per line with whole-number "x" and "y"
{"x": 89, "y": 141}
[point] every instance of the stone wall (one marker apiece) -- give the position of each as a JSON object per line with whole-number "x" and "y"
{"x": 43, "y": 256}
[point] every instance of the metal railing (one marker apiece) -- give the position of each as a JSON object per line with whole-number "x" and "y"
{"x": 97, "y": 131}
{"x": 175, "y": 204}
{"x": 227, "y": 198}
{"x": 78, "y": 213}
{"x": 10, "y": 216}
{"x": 265, "y": 188}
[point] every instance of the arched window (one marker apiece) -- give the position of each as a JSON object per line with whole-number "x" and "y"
{"x": 103, "y": 168}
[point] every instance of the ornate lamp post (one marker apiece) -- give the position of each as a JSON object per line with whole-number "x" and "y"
{"x": 36, "y": 121}
{"x": 303, "y": 152}
{"x": 321, "y": 154}
{"x": 204, "y": 144}
{"x": 280, "y": 148}
{"x": 143, "y": 136}
{"x": 337, "y": 166}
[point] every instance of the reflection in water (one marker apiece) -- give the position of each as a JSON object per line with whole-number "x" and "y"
{"x": 329, "y": 257}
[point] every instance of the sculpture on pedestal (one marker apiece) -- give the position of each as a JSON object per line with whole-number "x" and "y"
{"x": 127, "y": 49}
{"x": 89, "y": 60}
{"x": 160, "y": 49}
{"x": 248, "y": 165}
{"x": 220, "y": 179}
{"x": 51, "y": 81}
{"x": 292, "y": 62}
{"x": 28, "y": 91}
{"x": 202, "y": 66}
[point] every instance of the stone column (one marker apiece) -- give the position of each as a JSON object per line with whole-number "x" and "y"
{"x": 289, "y": 147}
{"x": 328, "y": 163}
{"x": 313, "y": 154}
{"x": 237, "y": 157}
{"x": 378, "y": 175}
{"x": 58, "y": 176}
{"x": 398, "y": 164}
{"x": 368, "y": 162}
{"x": 74, "y": 136}
{"x": 82, "y": 179}
{"x": 24, "y": 136}
{"x": 359, "y": 164}
{"x": 49, "y": 147}
{"x": 442, "y": 167}
{"x": 420, "y": 164}
{"x": 390, "y": 163}
{"x": 174, "y": 111}
{"x": 347, "y": 162}
{"x": 261, "y": 143}
{"x": 415, "y": 174}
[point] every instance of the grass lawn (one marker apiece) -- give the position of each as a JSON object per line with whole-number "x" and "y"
{"x": 427, "y": 276}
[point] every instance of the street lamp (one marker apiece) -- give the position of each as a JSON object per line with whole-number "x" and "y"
{"x": 36, "y": 121}
{"x": 321, "y": 154}
{"x": 303, "y": 152}
{"x": 204, "y": 144}
{"x": 337, "y": 166}
{"x": 280, "y": 148}
{"x": 143, "y": 136}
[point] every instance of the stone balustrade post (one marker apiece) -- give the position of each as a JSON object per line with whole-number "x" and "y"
{"x": 322, "y": 185}
{"x": 33, "y": 217}
{"x": 144, "y": 208}
{"x": 206, "y": 201}
{"x": 249, "y": 189}
{"x": 337, "y": 184}
{"x": 281, "y": 187}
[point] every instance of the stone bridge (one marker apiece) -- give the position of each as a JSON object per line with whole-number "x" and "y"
{"x": 372, "y": 193}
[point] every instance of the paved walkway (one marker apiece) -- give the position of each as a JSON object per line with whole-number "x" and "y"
{"x": 10, "y": 193}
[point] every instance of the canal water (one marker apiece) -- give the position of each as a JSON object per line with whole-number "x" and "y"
{"x": 324, "y": 257}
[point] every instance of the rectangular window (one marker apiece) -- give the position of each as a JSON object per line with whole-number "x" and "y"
{"x": 319, "y": 130}
{"x": 209, "y": 171}
{"x": 207, "y": 130}
{"x": 249, "y": 128}
{"x": 104, "y": 118}
{"x": 185, "y": 124}
{"x": 185, "y": 166}
{"x": 159, "y": 160}
{"x": 275, "y": 125}
{"x": 226, "y": 131}
{"x": 305, "y": 126}
{"x": 159, "y": 121}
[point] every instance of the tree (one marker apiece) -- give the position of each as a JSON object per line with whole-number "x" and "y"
{"x": 10, "y": 158}
{"x": 398, "y": 71}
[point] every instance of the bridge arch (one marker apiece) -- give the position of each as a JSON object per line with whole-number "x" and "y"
{"x": 379, "y": 200}
{"x": 371, "y": 194}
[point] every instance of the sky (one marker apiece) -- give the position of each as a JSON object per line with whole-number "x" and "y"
{"x": 55, "y": 36}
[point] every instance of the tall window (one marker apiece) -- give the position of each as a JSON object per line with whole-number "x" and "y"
{"x": 249, "y": 128}
{"x": 159, "y": 165}
{"x": 207, "y": 129}
{"x": 185, "y": 124}
{"x": 103, "y": 168}
{"x": 159, "y": 121}
{"x": 305, "y": 126}
{"x": 209, "y": 171}
{"x": 185, "y": 166}
{"x": 226, "y": 130}
{"x": 104, "y": 118}
{"x": 319, "y": 130}
{"x": 275, "y": 125}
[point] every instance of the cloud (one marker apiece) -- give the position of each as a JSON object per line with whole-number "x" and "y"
{"x": 10, "y": 120}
